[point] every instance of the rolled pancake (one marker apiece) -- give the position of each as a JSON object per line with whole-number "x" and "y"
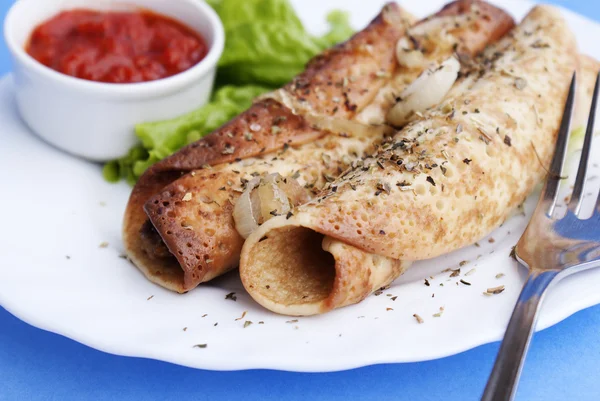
{"x": 587, "y": 72}
{"x": 179, "y": 229}
{"x": 444, "y": 181}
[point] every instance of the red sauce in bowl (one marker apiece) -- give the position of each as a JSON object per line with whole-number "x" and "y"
{"x": 116, "y": 47}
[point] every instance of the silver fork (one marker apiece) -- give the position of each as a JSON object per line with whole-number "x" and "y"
{"x": 552, "y": 249}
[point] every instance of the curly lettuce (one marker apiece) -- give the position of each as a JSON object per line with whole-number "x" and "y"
{"x": 266, "y": 42}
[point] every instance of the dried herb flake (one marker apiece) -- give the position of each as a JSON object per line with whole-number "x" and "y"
{"x": 495, "y": 290}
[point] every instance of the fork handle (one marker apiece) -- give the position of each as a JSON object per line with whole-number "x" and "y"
{"x": 502, "y": 384}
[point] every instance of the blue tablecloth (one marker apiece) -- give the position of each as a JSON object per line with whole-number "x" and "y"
{"x": 563, "y": 363}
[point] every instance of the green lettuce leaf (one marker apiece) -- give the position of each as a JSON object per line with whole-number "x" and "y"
{"x": 273, "y": 47}
{"x": 339, "y": 29}
{"x": 161, "y": 139}
{"x": 234, "y": 13}
{"x": 272, "y": 57}
{"x": 266, "y": 46}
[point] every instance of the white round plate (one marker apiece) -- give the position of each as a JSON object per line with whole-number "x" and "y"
{"x": 57, "y": 210}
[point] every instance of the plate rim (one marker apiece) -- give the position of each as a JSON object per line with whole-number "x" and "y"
{"x": 282, "y": 364}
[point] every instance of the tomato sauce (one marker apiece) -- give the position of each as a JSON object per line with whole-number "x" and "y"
{"x": 116, "y": 47}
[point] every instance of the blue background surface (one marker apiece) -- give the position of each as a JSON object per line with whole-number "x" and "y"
{"x": 563, "y": 363}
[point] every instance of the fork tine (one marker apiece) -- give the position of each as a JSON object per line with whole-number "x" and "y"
{"x": 577, "y": 196}
{"x": 554, "y": 175}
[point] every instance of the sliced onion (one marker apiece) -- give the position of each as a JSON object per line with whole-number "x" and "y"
{"x": 295, "y": 192}
{"x": 264, "y": 199}
{"x": 273, "y": 201}
{"x": 436, "y": 33}
{"x": 436, "y": 26}
{"x": 291, "y": 102}
{"x": 428, "y": 90}
{"x": 243, "y": 213}
{"x": 335, "y": 125}
{"x": 407, "y": 56}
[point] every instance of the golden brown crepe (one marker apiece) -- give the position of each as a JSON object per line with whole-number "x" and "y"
{"x": 179, "y": 230}
{"x": 587, "y": 72}
{"x": 444, "y": 181}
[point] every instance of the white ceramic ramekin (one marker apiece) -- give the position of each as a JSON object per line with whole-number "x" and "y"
{"x": 96, "y": 120}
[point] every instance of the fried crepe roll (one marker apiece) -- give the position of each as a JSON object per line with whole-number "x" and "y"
{"x": 453, "y": 174}
{"x": 180, "y": 230}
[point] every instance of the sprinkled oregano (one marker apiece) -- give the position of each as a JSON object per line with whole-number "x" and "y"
{"x": 495, "y": 290}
